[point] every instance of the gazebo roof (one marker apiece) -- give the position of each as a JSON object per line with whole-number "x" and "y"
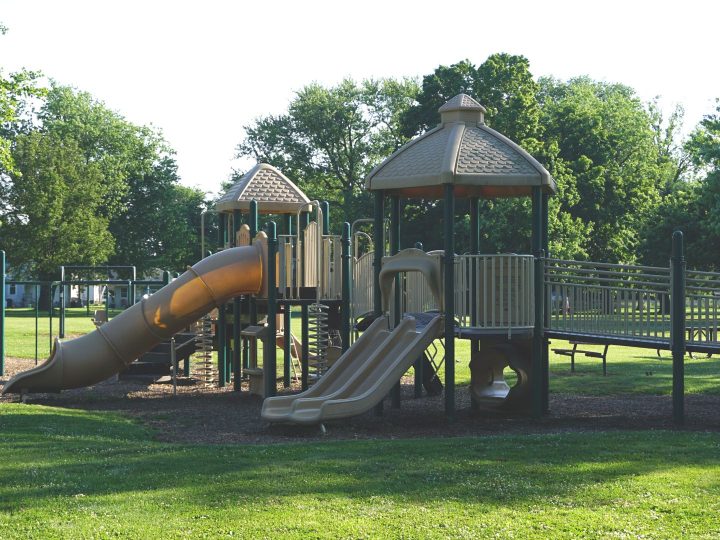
{"x": 463, "y": 151}
{"x": 274, "y": 192}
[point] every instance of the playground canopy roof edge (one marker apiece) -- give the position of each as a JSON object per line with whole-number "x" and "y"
{"x": 274, "y": 193}
{"x": 463, "y": 151}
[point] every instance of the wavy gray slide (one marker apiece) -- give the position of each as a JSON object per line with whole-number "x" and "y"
{"x": 361, "y": 377}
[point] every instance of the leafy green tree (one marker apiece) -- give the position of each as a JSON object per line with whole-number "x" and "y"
{"x": 160, "y": 226}
{"x": 693, "y": 206}
{"x": 55, "y": 199}
{"x": 15, "y": 89}
{"x": 331, "y": 138}
{"x": 505, "y": 86}
{"x": 606, "y": 139}
{"x": 127, "y": 192}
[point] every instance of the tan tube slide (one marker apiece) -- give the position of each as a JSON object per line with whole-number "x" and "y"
{"x": 109, "y": 349}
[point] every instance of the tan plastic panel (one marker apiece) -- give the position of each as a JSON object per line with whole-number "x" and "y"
{"x": 96, "y": 356}
{"x": 411, "y": 260}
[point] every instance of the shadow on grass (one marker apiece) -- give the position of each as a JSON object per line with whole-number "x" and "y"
{"x": 49, "y": 453}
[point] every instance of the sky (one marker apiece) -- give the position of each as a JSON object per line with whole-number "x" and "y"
{"x": 200, "y": 71}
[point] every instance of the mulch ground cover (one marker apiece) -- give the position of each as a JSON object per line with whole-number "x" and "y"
{"x": 199, "y": 414}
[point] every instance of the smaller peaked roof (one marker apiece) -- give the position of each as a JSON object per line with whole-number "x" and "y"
{"x": 462, "y": 101}
{"x": 274, "y": 192}
{"x": 463, "y": 151}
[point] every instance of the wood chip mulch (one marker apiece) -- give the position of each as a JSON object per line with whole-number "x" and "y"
{"x": 199, "y": 414}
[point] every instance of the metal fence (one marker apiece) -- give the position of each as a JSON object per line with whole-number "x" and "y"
{"x": 607, "y": 299}
{"x": 702, "y": 293}
{"x": 633, "y": 301}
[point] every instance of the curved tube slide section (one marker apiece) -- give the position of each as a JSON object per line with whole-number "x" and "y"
{"x": 100, "y": 354}
{"x": 361, "y": 377}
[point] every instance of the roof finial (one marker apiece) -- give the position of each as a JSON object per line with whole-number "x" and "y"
{"x": 462, "y": 108}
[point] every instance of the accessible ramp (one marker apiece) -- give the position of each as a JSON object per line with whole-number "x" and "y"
{"x": 113, "y": 346}
{"x": 361, "y": 377}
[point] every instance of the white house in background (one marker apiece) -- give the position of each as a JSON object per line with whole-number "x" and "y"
{"x": 17, "y": 295}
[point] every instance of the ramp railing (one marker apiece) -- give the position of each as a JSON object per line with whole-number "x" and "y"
{"x": 702, "y": 296}
{"x": 607, "y": 299}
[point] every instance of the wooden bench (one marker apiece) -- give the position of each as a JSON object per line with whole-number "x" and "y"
{"x": 592, "y": 354}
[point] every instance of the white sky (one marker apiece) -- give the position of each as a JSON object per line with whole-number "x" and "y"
{"x": 201, "y": 70}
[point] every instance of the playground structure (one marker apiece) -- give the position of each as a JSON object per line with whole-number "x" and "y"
{"x": 508, "y": 306}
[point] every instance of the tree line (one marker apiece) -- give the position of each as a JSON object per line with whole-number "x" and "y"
{"x": 81, "y": 185}
{"x": 625, "y": 178}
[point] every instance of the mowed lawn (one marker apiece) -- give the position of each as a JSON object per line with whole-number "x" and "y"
{"x": 630, "y": 370}
{"x": 77, "y": 474}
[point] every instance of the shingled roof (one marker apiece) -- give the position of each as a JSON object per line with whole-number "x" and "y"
{"x": 274, "y": 192}
{"x": 463, "y": 151}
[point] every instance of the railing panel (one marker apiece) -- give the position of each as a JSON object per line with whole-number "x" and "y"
{"x": 607, "y": 299}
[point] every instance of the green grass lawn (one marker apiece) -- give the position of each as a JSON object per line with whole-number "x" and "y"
{"x": 20, "y": 329}
{"x": 630, "y": 370}
{"x": 78, "y": 474}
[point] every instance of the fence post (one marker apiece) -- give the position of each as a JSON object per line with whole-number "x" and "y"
{"x": 2, "y": 313}
{"x": 677, "y": 322}
{"x": 61, "y": 320}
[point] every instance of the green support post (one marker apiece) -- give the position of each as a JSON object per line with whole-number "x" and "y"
{"x": 475, "y": 250}
{"x": 132, "y": 291}
{"x": 346, "y": 275}
{"x": 269, "y": 353}
{"x": 395, "y": 248}
{"x": 304, "y": 222}
{"x": 253, "y": 224}
{"x": 287, "y": 342}
{"x": 37, "y": 319}
{"x": 222, "y": 320}
{"x": 418, "y": 382}
{"x": 50, "y": 316}
{"x": 237, "y": 341}
{"x": 287, "y": 320}
{"x": 546, "y": 342}
{"x": 107, "y": 299}
{"x": 2, "y": 313}
{"x": 326, "y": 217}
{"x": 677, "y": 317}
{"x": 537, "y": 344}
{"x": 378, "y": 246}
{"x": 253, "y": 219}
{"x": 61, "y": 321}
{"x": 305, "y": 336}
{"x": 449, "y": 300}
